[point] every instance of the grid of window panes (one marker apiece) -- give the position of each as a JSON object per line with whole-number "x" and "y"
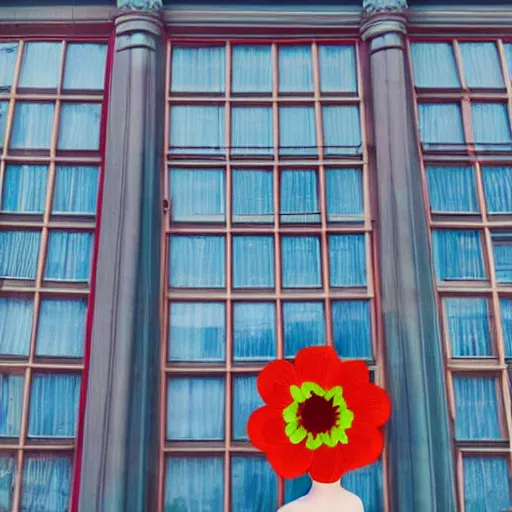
{"x": 51, "y": 97}
{"x": 268, "y": 249}
{"x": 464, "y": 100}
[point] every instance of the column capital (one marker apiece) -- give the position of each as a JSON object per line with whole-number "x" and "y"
{"x": 140, "y": 5}
{"x": 384, "y": 30}
{"x": 380, "y": 6}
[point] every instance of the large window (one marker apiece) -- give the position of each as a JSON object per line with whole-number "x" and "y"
{"x": 268, "y": 249}
{"x": 464, "y": 96}
{"x": 51, "y": 104}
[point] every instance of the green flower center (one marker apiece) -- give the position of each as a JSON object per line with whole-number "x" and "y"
{"x": 316, "y": 414}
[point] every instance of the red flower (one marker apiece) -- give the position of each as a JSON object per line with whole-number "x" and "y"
{"x": 322, "y": 416}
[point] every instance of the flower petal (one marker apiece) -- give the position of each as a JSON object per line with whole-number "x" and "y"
{"x": 313, "y": 442}
{"x": 328, "y": 464}
{"x": 347, "y": 374}
{"x": 298, "y": 435}
{"x": 364, "y": 447}
{"x": 274, "y": 383}
{"x": 290, "y": 413}
{"x": 313, "y": 364}
{"x": 265, "y": 428}
{"x": 291, "y": 460}
{"x": 373, "y": 404}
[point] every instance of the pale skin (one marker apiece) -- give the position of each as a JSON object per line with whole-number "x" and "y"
{"x": 325, "y": 498}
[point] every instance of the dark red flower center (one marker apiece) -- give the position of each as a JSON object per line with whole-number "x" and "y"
{"x": 318, "y": 415}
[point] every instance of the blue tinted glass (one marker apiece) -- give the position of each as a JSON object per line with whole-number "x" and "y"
{"x": 197, "y": 261}
{"x": 252, "y": 131}
{"x": 7, "y": 477}
{"x": 491, "y": 126}
{"x": 498, "y": 189}
{"x": 252, "y": 68}
{"x": 245, "y": 401}
{"x": 502, "y": 245}
{"x": 53, "y": 405}
{"x": 434, "y": 65}
{"x": 467, "y": 319}
{"x": 76, "y": 190}
{"x": 191, "y": 400}
{"x": 15, "y": 326}
{"x": 337, "y": 68}
{"x": 32, "y": 125}
{"x": 69, "y": 256}
{"x": 299, "y": 197}
{"x": 24, "y": 189}
{"x": 440, "y": 125}
{"x": 301, "y": 261}
{"x": 303, "y": 326}
{"x": 452, "y": 189}
{"x": 347, "y": 260}
{"x": 476, "y": 408}
{"x": 198, "y": 195}
{"x": 254, "y": 331}
{"x": 295, "y": 69}
{"x": 8, "y": 55}
{"x": 85, "y": 66}
{"x": 486, "y": 484}
{"x": 19, "y": 252}
{"x": 297, "y": 131}
{"x": 481, "y": 64}
{"x": 40, "y": 65}
{"x": 351, "y": 324}
{"x": 344, "y": 194}
{"x": 197, "y": 331}
{"x": 253, "y": 261}
{"x": 11, "y": 403}
{"x": 79, "y": 127}
{"x": 506, "y": 322}
{"x": 253, "y": 196}
{"x": 458, "y": 255}
{"x": 253, "y": 485}
{"x": 342, "y": 130}
{"x": 194, "y": 484}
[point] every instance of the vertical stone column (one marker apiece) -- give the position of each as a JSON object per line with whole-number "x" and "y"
{"x": 420, "y": 448}
{"x": 120, "y": 444}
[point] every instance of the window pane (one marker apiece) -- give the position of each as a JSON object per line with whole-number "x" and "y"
{"x": 197, "y": 331}
{"x": 253, "y": 196}
{"x": 198, "y": 69}
{"x": 4, "y": 109}
{"x": 297, "y": 131}
{"x": 18, "y": 254}
{"x": 481, "y": 65}
{"x": 476, "y": 408}
{"x": 189, "y": 402}
{"x": 301, "y": 261}
{"x": 8, "y": 55}
{"x": 197, "y": 262}
{"x": 76, "y": 190}
{"x": 198, "y": 195}
{"x": 80, "y": 126}
{"x": 254, "y": 336}
{"x": 15, "y": 326}
{"x": 506, "y": 322}
{"x": 85, "y": 66}
{"x": 366, "y": 483}
{"x": 53, "y": 405}
{"x": 337, "y": 68}
{"x": 508, "y": 55}
{"x": 252, "y": 131}
{"x": 452, "y": 189}
{"x": 458, "y": 255}
{"x": 245, "y": 401}
{"x": 491, "y": 126}
{"x": 252, "y": 68}
{"x": 467, "y": 319}
{"x": 295, "y": 69}
{"x": 342, "y": 130}
{"x": 254, "y": 485}
{"x": 486, "y": 484}
{"x": 46, "y": 483}
{"x": 498, "y": 189}
{"x": 253, "y": 261}
{"x": 434, "y": 65}
{"x": 299, "y": 197}
{"x": 351, "y": 324}
{"x": 40, "y": 65}
{"x": 7, "y": 479}
{"x": 11, "y": 395}
{"x": 194, "y": 484}
{"x": 303, "y": 326}
{"x": 344, "y": 194}
{"x": 197, "y": 130}
{"x": 296, "y": 487}
{"x": 32, "y": 126}
{"x": 347, "y": 260}
{"x": 69, "y": 256}
{"x": 24, "y": 189}
{"x": 61, "y": 329}
{"x": 502, "y": 245}
{"x": 440, "y": 125}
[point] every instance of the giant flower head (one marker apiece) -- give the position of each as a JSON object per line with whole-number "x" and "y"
{"x": 322, "y": 415}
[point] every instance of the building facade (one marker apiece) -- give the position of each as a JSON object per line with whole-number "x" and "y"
{"x": 189, "y": 190}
